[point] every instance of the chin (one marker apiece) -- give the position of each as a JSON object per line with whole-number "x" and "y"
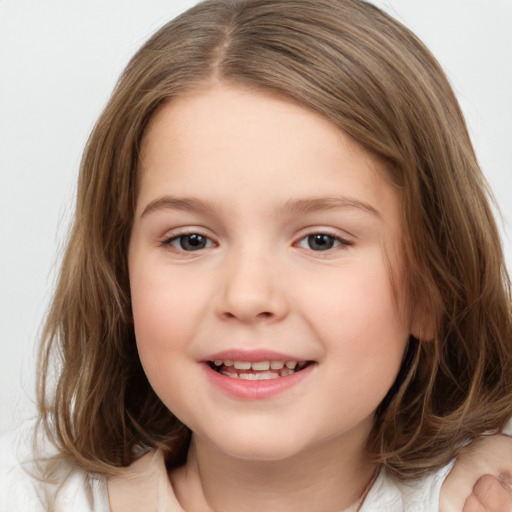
{"x": 259, "y": 446}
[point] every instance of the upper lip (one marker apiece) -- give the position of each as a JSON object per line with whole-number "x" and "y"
{"x": 252, "y": 355}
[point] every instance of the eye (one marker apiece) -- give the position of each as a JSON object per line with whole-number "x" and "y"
{"x": 321, "y": 242}
{"x": 189, "y": 242}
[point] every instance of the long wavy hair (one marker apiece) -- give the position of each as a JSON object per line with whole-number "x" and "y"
{"x": 372, "y": 78}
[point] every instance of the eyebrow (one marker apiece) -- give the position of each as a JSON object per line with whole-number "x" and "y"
{"x": 302, "y": 206}
{"x": 177, "y": 203}
{"x": 291, "y": 207}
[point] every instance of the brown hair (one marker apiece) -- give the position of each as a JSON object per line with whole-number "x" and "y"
{"x": 371, "y": 77}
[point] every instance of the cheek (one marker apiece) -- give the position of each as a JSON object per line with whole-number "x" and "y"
{"x": 357, "y": 320}
{"x": 163, "y": 336}
{"x": 161, "y": 308}
{"x": 358, "y": 301}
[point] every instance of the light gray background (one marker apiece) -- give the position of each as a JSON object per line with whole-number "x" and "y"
{"x": 59, "y": 60}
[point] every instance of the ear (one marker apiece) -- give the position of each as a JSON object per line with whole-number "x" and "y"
{"x": 423, "y": 333}
{"x": 424, "y": 322}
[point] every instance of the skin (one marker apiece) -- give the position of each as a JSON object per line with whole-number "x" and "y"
{"x": 241, "y": 158}
{"x": 481, "y": 480}
{"x": 258, "y": 283}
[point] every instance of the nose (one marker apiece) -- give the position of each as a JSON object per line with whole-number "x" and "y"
{"x": 252, "y": 289}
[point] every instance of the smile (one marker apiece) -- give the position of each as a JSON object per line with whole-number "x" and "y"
{"x": 257, "y": 370}
{"x": 256, "y": 374}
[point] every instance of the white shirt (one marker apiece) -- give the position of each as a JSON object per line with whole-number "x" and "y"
{"x": 145, "y": 487}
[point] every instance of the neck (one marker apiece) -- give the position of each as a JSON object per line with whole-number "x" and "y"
{"x": 330, "y": 477}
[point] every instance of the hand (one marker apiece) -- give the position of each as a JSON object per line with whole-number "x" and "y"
{"x": 489, "y": 495}
{"x": 481, "y": 478}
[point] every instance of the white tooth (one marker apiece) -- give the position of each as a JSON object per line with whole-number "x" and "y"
{"x": 259, "y": 376}
{"x": 248, "y": 376}
{"x": 286, "y": 371}
{"x": 291, "y": 364}
{"x": 242, "y": 365}
{"x": 276, "y": 365}
{"x": 227, "y": 362}
{"x": 217, "y": 362}
{"x": 227, "y": 374}
{"x": 268, "y": 375}
{"x": 301, "y": 365}
{"x": 262, "y": 365}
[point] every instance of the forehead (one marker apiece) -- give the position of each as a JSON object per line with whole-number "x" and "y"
{"x": 231, "y": 144}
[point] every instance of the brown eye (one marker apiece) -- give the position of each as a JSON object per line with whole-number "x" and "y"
{"x": 190, "y": 242}
{"x": 321, "y": 242}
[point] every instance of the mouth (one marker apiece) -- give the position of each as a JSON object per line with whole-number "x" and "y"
{"x": 257, "y": 370}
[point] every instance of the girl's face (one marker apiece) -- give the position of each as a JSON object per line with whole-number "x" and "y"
{"x": 260, "y": 262}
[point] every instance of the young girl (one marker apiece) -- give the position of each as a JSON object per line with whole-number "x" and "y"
{"x": 284, "y": 287}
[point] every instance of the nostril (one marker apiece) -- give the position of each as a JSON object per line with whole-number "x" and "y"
{"x": 262, "y": 315}
{"x": 250, "y": 304}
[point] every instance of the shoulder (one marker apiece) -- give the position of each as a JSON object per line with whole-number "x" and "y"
{"x": 390, "y": 495}
{"x": 22, "y": 488}
{"x": 17, "y": 491}
{"x": 144, "y": 485}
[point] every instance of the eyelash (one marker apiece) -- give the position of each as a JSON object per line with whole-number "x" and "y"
{"x": 337, "y": 241}
{"x": 183, "y": 236}
{"x": 205, "y": 242}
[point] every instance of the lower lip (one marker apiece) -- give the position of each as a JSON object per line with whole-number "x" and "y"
{"x": 255, "y": 389}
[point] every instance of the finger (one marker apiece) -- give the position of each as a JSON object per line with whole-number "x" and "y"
{"x": 473, "y": 504}
{"x": 486, "y": 455}
{"x": 506, "y": 479}
{"x": 489, "y": 495}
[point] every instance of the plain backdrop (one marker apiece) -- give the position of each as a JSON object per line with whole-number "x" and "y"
{"x": 59, "y": 60}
